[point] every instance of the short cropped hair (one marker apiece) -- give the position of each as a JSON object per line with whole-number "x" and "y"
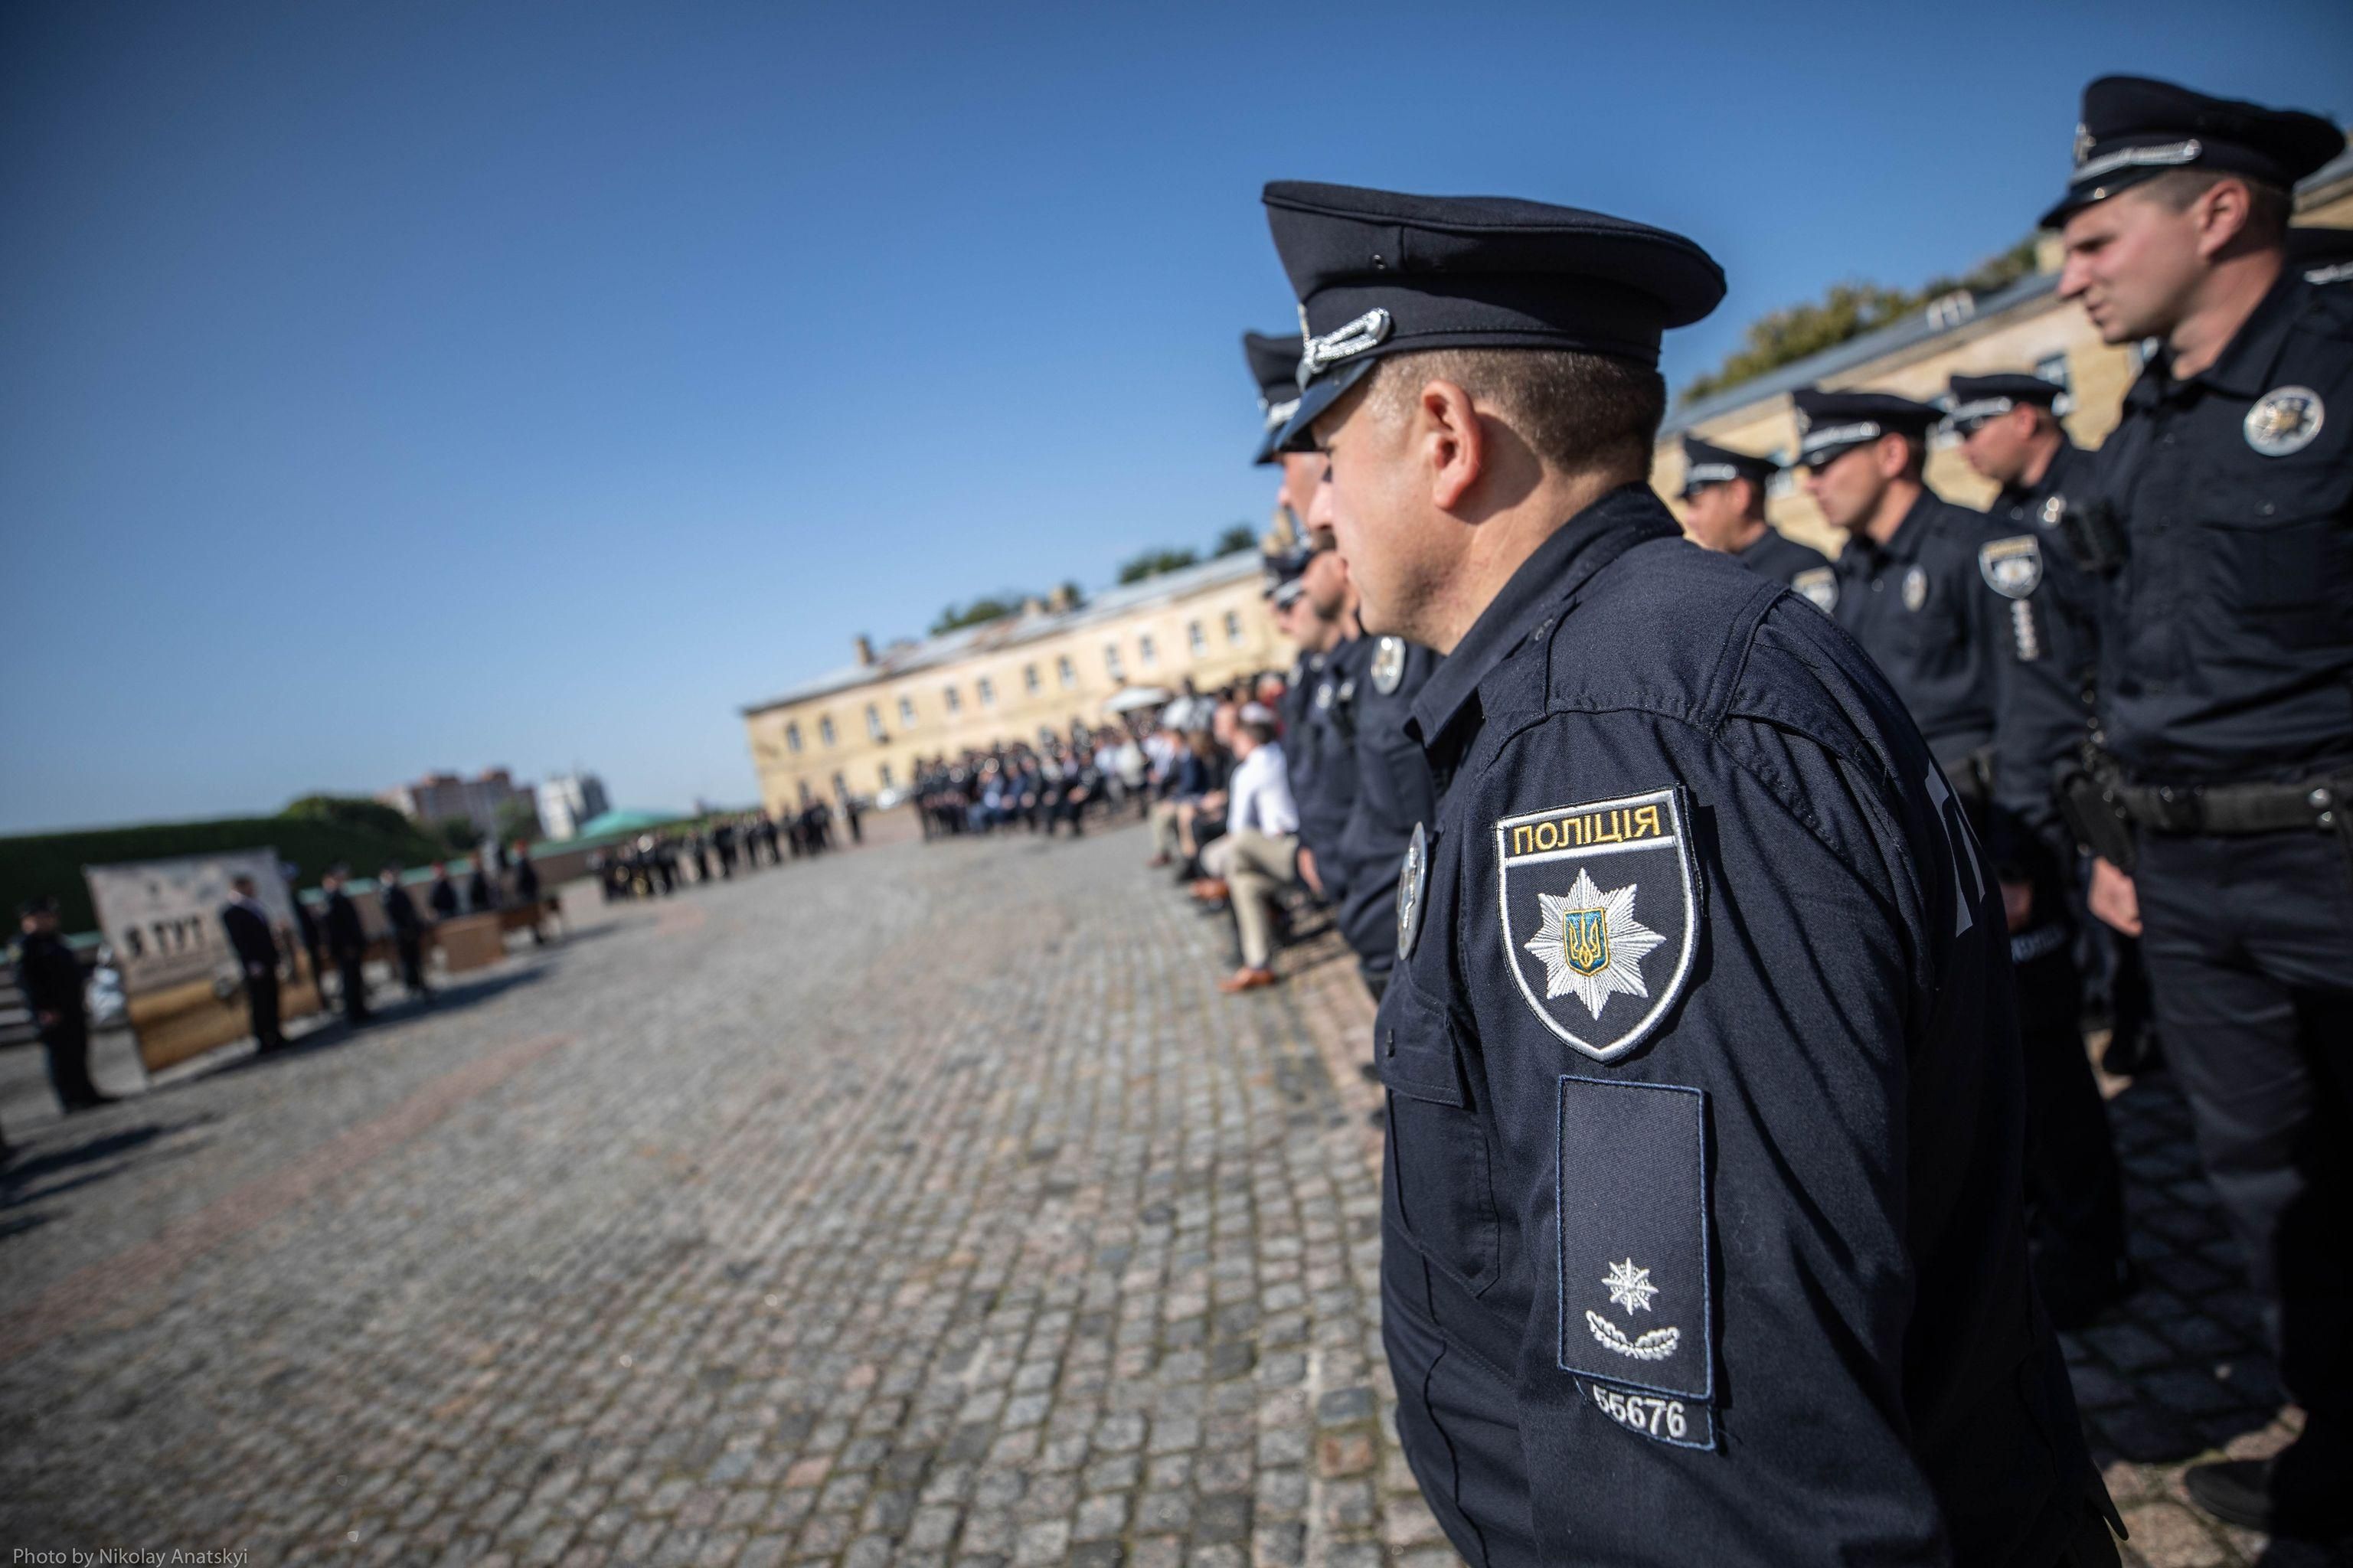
{"x": 1581, "y": 413}
{"x": 1259, "y": 730}
{"x": 2268, "y": 207}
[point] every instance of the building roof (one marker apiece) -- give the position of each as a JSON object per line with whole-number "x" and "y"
{"x": 1013, "y": 631}
{"x": 1919, "y": 327}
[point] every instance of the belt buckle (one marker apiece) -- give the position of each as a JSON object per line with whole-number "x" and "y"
{"x": 2180, "y": 809}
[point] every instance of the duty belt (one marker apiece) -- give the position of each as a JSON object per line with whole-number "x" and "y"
{"x": 2227, "y": 810}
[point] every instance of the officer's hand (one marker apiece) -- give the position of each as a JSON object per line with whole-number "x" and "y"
{"x": 2114, "y": 899}
{"x": 2018, "y": 904}
{"x": 1307, "y": 871}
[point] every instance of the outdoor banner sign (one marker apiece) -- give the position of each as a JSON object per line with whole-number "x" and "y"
{"x": 161, "y": 918}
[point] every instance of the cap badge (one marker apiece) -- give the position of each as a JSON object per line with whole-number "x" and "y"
{"x": 2083, "y": 144}
{"x": 1366, "y": 332}
{"x": 1388, "y": 665}
{"x": 2284, "y": 420}
{"x": 1916, "y": 588}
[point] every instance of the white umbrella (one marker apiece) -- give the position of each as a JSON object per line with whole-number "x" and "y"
{"x": 1130, "y": 699}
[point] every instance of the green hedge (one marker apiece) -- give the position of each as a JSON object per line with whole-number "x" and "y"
{"x": 52, "y": 862}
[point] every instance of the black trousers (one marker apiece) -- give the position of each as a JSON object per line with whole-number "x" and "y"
{"x": 411, "y": 946}
{"x": 261, "y": 1006}
{"x": 67, "y": 1045}
{"x": 356, "y": 1006}
{"x": 2074, "y": 1192}
{"x": 2249, "y": 946}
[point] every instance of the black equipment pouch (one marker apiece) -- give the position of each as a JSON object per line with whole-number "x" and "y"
{"x": 2088, "y": 803}
{"x": 2095, "y": 537}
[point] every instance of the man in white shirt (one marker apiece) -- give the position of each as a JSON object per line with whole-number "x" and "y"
{"x": 1260, "y": 852}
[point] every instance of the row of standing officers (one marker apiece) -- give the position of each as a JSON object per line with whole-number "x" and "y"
{"x": 1728, "y": 978}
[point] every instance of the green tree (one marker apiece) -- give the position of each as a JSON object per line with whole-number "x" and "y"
{"x": 459, "y": 833}
{"x": 1073, "y": 594}
{"x": 1153, "y": 562}
{"x": 1848, "y": 311}
{"x": 349, "y": 811}
{"x": 988, "y": 607}
{"x": 1239, "y": 536}
{"x": 518, "y": 817}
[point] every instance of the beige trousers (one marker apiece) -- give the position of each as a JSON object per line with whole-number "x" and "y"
{"x": 1254, "y": 869}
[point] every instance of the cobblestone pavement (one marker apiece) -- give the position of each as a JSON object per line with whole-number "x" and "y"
{"x": 918, "y": 1205}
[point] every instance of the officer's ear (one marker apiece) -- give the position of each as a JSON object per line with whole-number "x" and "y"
{"x": 1892, "y": 455}
{"x": 2221, "y": 214}
{"x": 1448, "y": 429}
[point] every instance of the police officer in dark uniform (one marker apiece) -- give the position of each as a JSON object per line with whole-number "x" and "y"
{"x": 1909, "y": 589}
{"x": 50, "y": 976}
{"x": 1723, "y": 509}
{"x": 1703, "y": 1230}
{"x": 2223, "y": 520}
{"x": 1319, "y": 756}
{"x": 245, "y": 922}
{"x": 347, "y": 946}
{"x": 2045, "y": 615}
{"x": 408, "y": 930}
{"x": 1392, "y": 791}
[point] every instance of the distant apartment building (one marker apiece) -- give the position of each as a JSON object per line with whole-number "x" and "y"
{"x": 437, "y": 797}
{"x": 567, "y": 800}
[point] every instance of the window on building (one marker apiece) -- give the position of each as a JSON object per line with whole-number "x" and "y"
{"x": 988, "y": 690}
{"x": 1234, "y": 626}
{"x": 1029, "y": 679}
{"x": 1066, "y": 672}
{"x": 955, "y": 698}
{"x": 1144, "y": 651}
{"x": 906, "y": 711}
{"x": 1111, "y": 666}
{"x": 882, "y": 775}
{"x": 874, "y": 723}
{"x": 825, "y": 729}
{"x": 792, "y": 737}
{"x": 1195, "y": 638}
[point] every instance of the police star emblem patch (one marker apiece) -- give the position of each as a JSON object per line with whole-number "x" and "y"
{"x": 1601, "y": 916}
{"x": 1820, "y": 585}
{"x": 1916, "y": 588}
{"x": 1388, "y": 665}
{"x": 1413, "y": 884}
{"x": 2284, "y": 420}
{"x": 2011, "y": 567}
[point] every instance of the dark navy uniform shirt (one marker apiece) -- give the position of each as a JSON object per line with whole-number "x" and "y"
{"x": 1394, "y": 793}
{"x": 2227, "y": 654}
{"x": 2048, "y": 610}
{"x": 1800, "y": 566}
{"x": 1918, "y": 606}
{"x": 1704, "y": 1112}
{"x": 1323, "y": 761}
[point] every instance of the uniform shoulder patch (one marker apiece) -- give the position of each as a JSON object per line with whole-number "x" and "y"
{"x": 1819, "y": 584}
{"x": 2284, "y": 420}
{"x": 2011, "y": 567}
{"x": 1600, "y": 915}
{"x": 1388, "y": 665}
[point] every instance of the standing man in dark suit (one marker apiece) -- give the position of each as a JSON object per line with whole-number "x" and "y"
{"x": 51, "y": 977}
{"x": 442, "y": 898}
{"x": 408, "y": 930}
{"x": 306, "y": 926}
{"x": 526, "y": 890}
{"x": 347, "y": 945}
{"x": 246, "y": 924}
{"x": 481, "y": 893}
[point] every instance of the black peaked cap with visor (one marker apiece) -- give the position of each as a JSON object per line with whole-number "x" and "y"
{"x": 1275, "y": 365}
{"x": 1705, "y": 464}
{"x": 1378, "y": 273}
{"x": 2134, "y": 129}
{"x": 1978, "y": 398}
{"x": 1834, "y": 424}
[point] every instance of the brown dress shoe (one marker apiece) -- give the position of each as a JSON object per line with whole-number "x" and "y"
{"x": 1246, "y": 979}
{"x": 1210, "y": 889}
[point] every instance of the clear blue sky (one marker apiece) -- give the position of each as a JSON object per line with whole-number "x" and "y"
{"x": 391, "y": 387}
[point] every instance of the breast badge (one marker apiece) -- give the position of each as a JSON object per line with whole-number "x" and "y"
{"x": 2284, "y": 420}
{"x": 1916, "y": 588}
{"x": 1388, "y": 665}
{"x": 1820, "y": 584}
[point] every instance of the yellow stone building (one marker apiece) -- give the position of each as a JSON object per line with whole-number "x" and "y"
{"x": 2025, "y": 327}
{"x": 860, "y": 728}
